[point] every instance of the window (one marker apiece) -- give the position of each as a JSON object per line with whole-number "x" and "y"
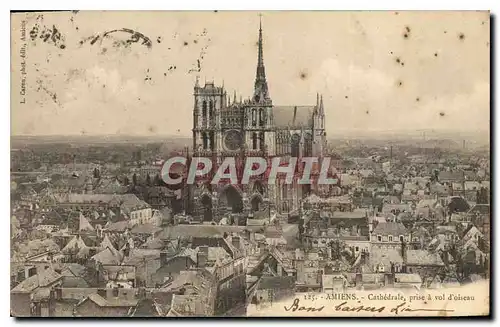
{"x": 379, "y": 238}
{"x": 254, "y": 118}
{"x": 115, "y": 292}
{"x": 204, "y": 109}
{"x": 390, "y": 238}
{"x": 357, "y": 249}
{"x": 401, "y": 238}
{"x": 254, "y": 141}
{"x": 261, "y": 117}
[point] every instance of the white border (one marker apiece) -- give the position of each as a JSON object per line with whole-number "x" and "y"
{"x": 492, "y": 5}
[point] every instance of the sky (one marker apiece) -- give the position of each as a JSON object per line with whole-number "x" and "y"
{"x": 377, "y": 71}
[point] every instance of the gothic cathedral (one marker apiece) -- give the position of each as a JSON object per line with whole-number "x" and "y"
{"x": 249, "y": 128}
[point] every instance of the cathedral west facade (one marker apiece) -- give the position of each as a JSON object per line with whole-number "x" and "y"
{"x": 248, "y": 128}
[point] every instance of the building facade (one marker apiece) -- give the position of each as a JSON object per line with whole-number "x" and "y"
{"x": 253, "y": 127}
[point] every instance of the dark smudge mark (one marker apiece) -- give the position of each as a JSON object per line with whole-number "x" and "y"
{"x": 402, "y": 63}
{"x": 158, "y": 39}
{"x": 346, "y": 97}
{"x": 185, "y": 43}
{"x": 47, "y": 35}
{"x": 441, "y": 114}
{"x": 195, "y": 41}
{"x": 42, "y": 87}
{"x": 417, "y": 99}
{"x": 435, "y": 54}
{"x": 398, "y": 60}
{"x": 170, "y": 70}
{"x": 461, "y": 36}
{"x": 400, "y": 83}
{"x": 152, "y": 129}
{"x": 406, "y": 34}
{"x": 303, "y": 75}
{"x": 445, "y": 32}
{"x": 367, "y": 112}
{"x": 216, "y": 11}
{"x": 147, "y": 78}
{"x": 119, "y": 40}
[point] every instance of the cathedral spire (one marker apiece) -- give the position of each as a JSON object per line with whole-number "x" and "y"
{"x": 260, "y": 88}
{"x": 321, "y": 109}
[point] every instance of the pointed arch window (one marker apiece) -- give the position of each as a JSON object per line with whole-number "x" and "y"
{"x": 210, "y": 109}
{"x": 261, "y": 140}
{"x": 210, "y": 137}
{"x": 254, "y": 141}
{"x": 261, "y": 117}
{"x": 205, "y": 141}
{"x": 254, "y": 118}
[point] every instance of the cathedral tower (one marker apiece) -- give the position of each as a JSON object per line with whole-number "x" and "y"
{"x": 209, "y": 100}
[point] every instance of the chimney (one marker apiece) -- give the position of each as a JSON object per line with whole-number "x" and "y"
{"x": 235, "y": 240}
{"x": 202, "y": 256}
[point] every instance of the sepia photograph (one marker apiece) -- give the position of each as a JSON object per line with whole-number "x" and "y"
{"x": 250, "y": 164}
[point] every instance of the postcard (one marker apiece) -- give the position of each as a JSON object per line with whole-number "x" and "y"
{"x": 248, "y": 164}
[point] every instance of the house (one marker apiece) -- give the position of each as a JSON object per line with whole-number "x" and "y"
{"x": 107, "y": 304}
{"x": 29, "y": 298}
{"x": 424, "y": 263}
{"x": 271, "y": 289}
{"x": 389, "y": 235}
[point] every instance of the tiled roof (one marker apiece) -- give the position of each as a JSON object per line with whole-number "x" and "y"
{"x": 423, "y": 258}
{"x": 390, "y": 228}
{"x": 74, "y": 282}
{"x": 115, "y": 302}
{"x": 42, "y": 279}
{"x": 386, "y": 257}
{"x": 278, "y": 282}
{"x": 145, "y": 229}
{"x": 107, "y": 257}
{"x": 284, "y": 116}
